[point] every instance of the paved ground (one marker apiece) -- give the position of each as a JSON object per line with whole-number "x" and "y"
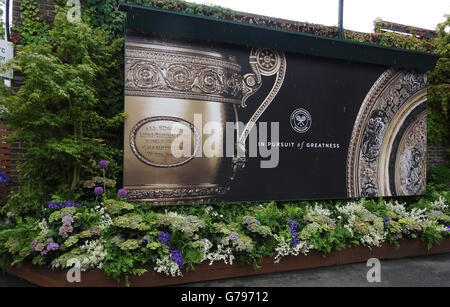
{"x": 418, "y": 271}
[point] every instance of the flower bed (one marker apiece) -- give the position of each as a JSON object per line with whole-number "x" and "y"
{"x": 205, "y": 272}
{"x": 124, "y": 239}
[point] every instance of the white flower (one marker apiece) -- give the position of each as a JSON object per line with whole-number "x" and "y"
{"x": 3, "y": 111}
{"x": 285, "y": 248}
{"x": 317, "y": 211}
{"x": 43, "y": 226}
{"x": 353, "y": 210}
{"x": 222, "y": 253}
{"x": 167, "y": 266}
{"x": 439, "y": 204}
{"x": 105, "y": 218}
{"x": 92, "y": 255}
{"x": 400, "y": 209}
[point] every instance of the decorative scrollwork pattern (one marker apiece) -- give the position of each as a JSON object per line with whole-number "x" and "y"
{"x": 173, "y": 74}
{"x": 267, "y": 63}
{"x": 390, "y": 100}
{"x": 410, "y": 177}
{"x": 179, "y": 195}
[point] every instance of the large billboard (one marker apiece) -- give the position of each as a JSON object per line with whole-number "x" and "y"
{"x": 210, "y": 121}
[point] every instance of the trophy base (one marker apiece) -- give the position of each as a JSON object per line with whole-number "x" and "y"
{"x": 174, "y": 195}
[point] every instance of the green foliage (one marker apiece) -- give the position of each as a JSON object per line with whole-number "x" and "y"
{"x": 188, "y": 7}
{"x": 397, "y": 40}
{"x": 32, "y": 28}
{"x": 62, "y": 111}
{"x": 15, "y": 241}
{"x": 439, "y": 90}
{"x": 104, "y": 14}
{"x": 26, "y": 203}
{"x": 438, "y": 177}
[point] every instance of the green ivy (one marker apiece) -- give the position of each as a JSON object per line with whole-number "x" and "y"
{"x": 439, "y": 90}
{"x": 32, "y": 28}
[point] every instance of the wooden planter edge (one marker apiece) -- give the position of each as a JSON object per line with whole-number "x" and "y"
{"x": 46, "y": 277}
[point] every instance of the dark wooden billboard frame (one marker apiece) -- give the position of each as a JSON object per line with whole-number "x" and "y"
{"x": 46, "y": 277}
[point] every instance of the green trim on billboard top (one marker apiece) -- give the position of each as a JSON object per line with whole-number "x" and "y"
{"x": 147, "y": 19}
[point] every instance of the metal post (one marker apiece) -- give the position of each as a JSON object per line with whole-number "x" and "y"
{"x": 341, "y": 20}
{"x": 7, "y": 21}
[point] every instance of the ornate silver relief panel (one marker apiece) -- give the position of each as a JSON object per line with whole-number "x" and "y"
{"x": 370, "y": 170}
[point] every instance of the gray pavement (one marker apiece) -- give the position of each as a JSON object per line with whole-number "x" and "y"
{"x": 431, "y": 271}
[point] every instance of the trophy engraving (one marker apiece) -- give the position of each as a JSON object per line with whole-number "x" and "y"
{"x": 151, "y": 140}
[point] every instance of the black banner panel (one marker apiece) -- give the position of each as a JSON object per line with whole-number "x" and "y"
{"x": 209, "y": 121}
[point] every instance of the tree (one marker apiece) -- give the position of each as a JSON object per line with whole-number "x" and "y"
{"x": 62, "y": 112}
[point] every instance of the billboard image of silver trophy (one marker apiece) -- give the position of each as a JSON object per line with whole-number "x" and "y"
{"x": 210, "y": 120}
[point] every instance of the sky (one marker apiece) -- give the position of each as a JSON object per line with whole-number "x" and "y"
{"x": 358, "y": 14}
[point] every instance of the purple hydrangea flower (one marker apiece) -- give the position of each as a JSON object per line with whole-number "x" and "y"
{"x": 53, "y": 205}
{"x": 63, "y": 204}
{"x": 65, "y": 230}
{"x": 122, "y": 192}
{"x": 103, "y": 163}
{"x": 176, "y": 256}
{"x": 52, "y": 246}
{"x": 386, "y": 220}
{"x": 39, "y": 247}
{"x": 164, "y": 238}
{"x": 234, "y": 237}
{"x": 448, "y": 227}
{"x": 292, "y": 228}
{"x": 4, "y": 178}
{"x": 436, "y": 160}
{"x": 67, "y": 220}
{"x": 98, "y": 190}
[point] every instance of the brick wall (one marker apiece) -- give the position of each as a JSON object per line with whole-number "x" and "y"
{"x": 10, "y": 155}
{"x": 46, "y": 12}
{"x": 436, "y": 152}
{"x": 5, "y": 162}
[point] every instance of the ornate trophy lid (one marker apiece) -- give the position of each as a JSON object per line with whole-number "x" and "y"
{"x": 180, "y": 70}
